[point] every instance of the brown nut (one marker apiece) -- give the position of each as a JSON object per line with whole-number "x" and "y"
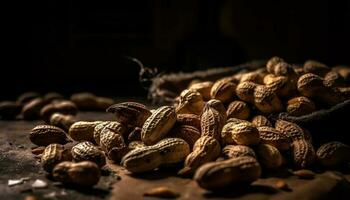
{"x": 333, "y": 154}
{"x": 31, "y": 110}
{"x": 269, "y": 156}
{"x": 135, "y": 134}
{"x": 113, "y": 144}
{"x": 243, "y": 134}
{"x": 188, "y": 119}
{"x": 205, "y": 149}
{"x": 284, "y": 69}
{"x": 213, "y": 118}
{"x": 315, "y": 67}
{"x": 299, "y": 106}
{"x": 9, "y": 109}
{"x": 238, "y": 109}
{"x": 63, "y": 107}
{"x": 52, "y": 96}
{"x": 234, "y": 151}
{"x": 216, "y": 175}
{"x": 261, "y": 120}
{"x": 333, "y": 79}
{"x": 191, "y": 102}
{"x": 266, "y": 100}
{"x": 84, "y": 100}
{"x": 27, "y": 97}
{"x": 158, "y": 125}
{"x": 282, "y": 86}
{"x": 223, "y": 90}
{"x": 43, "y": 135}
{"x": 62, "y": 121}
{"x": 84, "y": 173}
{"x": 102, "y": 103}
{"x": 310, "y": 85}
{"x": 273, "y": 137}
{"x": 83, "y": 131}
{"x": 270, "y": 65}
{"x": 131, "y": 114}
{"x": 344, "y": 71}
{"x": 188, "y": 133}
{"x": 54, "y": 154}
{"x": 87, "y": 151}
{"x": 254, "y": 77}
{"x": 203, "y": 88}
{"x": 245, "y": 91}
{"x": 165, "y": 152}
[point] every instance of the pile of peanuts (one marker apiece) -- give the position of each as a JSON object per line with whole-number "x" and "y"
{"x": 217, "y": 133}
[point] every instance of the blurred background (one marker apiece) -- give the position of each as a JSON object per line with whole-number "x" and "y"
{"x": 72, "y": 46}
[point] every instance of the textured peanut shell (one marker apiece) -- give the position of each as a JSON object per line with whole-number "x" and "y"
{"x": 43, "y": 135}
{"x": 333, "y": 154}
{"x": 303, "y": 153}
{"x": 334, "y": 79}
{"x": 102, "y": 103}
{"x": 98, "y": 129}
{"x": 243, "y": 134}
{"x": 266, "y": 100}
{"x": 212, "y": 122}
{"x": 205, "y": 149}
{"x": 83, "y": 131}
{"x": 188, "y": 133}
{"x": 282, "y": 86}
{"x": 191, "y": 102}
{"x": 299, "y": 106}
{"x": 245, "y": 91}
{"x": 234, "y": 151}
{"x": 84, "y": 100}
{"x": 218, "y": 106}
{"x": 52, "y": 155}
{"x": 130, "y": 113}
{"x": 254, "y": 77}
{"x": 85, "y": 174}
{"x": 158, "y": 125}
{"x": 189, "y": 119}
{"x": 87, "y": 151}
{"x": 273, "y": 137}
{"x": 203, "y": 88}
{"x": 166, "y": 151}
{"x": 261, "y": 120}
{"x": 238, "y": 109}
{"x": 315, "y": 67}
{"x": 310, "y": 85}
{"x": 269, "y": 156}
{"x": 216, "y": 175}
{"x": 31, "y": 110}
{"x": 223, "y": 90}
{"x": 135, "y": 134}
{"x": 113, "y": 144}
{"x": 62, "y": 121}
{"x": 64, "y": 107}
{"x": 270, "y": 65}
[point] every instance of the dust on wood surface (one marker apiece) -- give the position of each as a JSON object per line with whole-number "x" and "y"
{"x": 17, "y": 161}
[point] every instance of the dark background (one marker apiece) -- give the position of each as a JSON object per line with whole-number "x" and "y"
{"x": 72, "y": 46}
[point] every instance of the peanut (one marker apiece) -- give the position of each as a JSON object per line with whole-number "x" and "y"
{"x": 234, "y": 151}
{"x": 135, "y": 134}
{"x": 238, "y": 109}
{"x": 315, "y": 67}
{"x": 212, "y": 120}
{"x": 83, "y": 131}
{"x": 191, "y": 102}
{"x": 27, "y": 97}
{"x": 9, "y": 109}
{"x": 269, "y": 156}
{"x": 31, "y": 110}
{"x": 62, "y": 121}
{"x": 205, "y": 149}
{"x": 113, "y": 144}
{"x": 43, "y": 135}
{"x": 189, "y": 119}
{"x": 282, "y": 86}
{"x": 63, "y": 107}
{"x": 266, "y": 100}
{"x": 261, "y": 120}
{"x": 270, "y": 65}
{"x": 166, "y": 151}
{"x": 299, "y": 106}
{"x": 130, "y": 113}
{"x": 242, "y": 133}
{"x": 333, "y": 154}
{"x": 188, "y": 133}
{"x": 84, "y": 101}
{"x": 215, "y": 175}
{"x": 203, "y": 88}
{"x": 87, "y": 151}
{"x": 223, "y": 90}
{"x": 333, "y": 79}
{"x": 84, "y": 173}
{"x": 245, "y": 91}
{"x": 54, "y": 154}
{"x": 158, "y": 125}
{"x": 102, "y": 103}
{"x": 302, "y": 149}
{"x": 273, "y": 137}
{"x": 254, "y": 77}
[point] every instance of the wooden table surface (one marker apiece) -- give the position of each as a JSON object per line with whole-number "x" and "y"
{"x": 17, "y": 161}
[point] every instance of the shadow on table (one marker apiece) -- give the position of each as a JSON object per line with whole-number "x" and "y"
{"x": 235, "y": 191}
